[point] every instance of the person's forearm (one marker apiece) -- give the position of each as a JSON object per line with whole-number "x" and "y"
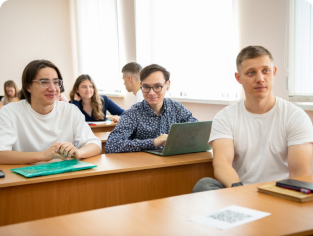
{"x": 225, "y": 173}
{"x": 89, "y": 150}
{"x": 297, "y": 173}
{"x": 116, "y": 145}
{"x": 299, "y": 160}
{"x": 14, "y": 157}
{"x": 115, "y": 110}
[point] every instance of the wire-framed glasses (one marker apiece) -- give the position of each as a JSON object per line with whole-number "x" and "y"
{"x": 45, "y": 83}
{"x": 156, "y": 88}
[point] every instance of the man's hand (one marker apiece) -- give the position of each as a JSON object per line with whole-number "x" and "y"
{"x": 115, "y": 119}
{"x": 68, "y": 150}
{"x": 160, "y": 141}
{"x": 52, "y": 152}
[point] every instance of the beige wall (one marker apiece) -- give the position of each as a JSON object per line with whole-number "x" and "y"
{"x": 36, "y": 29}
{"x": 264, "y": 23}
{"x": 127, "y": 44}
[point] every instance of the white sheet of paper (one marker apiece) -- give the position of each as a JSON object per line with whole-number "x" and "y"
{"x": 99, "y": 122}
{"x": 229, "y": 217}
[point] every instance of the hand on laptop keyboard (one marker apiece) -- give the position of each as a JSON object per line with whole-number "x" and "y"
{"x": 160, "y": 141}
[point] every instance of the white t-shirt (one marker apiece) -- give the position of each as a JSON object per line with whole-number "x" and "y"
{"x": 261, "y": 140}
{"x": 23, "y": 129}
{"x": 139, "y": 96}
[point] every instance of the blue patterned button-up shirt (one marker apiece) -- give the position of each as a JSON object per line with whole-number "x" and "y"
{"x": 139, "y": 126}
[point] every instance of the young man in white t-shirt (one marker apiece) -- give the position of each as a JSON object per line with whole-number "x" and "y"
{"x": 262, "y": 137}
{"x": 39, "y": 128}
{"x": 131, "y": 77}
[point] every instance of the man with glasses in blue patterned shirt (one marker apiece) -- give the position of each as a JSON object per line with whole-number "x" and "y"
{"x": 39, "y": 127}
{"x": 146, "y": 124}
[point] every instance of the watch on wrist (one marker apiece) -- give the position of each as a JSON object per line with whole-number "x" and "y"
{"x": 236, "y": 184}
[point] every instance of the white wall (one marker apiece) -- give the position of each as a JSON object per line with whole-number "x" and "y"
{"x": 37, "y": 29}
{"x": 264, "y": 23}
{"x": 260, "y": 23}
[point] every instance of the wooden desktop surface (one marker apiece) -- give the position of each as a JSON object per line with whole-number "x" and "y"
{"x": 103, "y": 136}
{"x": 103, "y": 127}
{"x": 119, "y": 179}
{"x": 169, "y": 216}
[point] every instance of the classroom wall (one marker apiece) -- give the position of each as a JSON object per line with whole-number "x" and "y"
{"x": 256, "y": 27}
{"x": 127, "y": 45}
{"x": 36, "y": 29}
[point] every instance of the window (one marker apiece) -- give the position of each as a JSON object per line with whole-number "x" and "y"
{"x": 98, "y": 43}
{"x": 196, "y": 40}
{"x": 300, "y": 82}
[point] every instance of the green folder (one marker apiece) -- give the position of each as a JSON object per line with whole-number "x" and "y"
{"x": 53, "y": 168}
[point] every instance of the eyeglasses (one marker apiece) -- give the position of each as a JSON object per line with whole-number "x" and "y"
{"x": 45, "y": 83}
{"x": 156, "y": 88}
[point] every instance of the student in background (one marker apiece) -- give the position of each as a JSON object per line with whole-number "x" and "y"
{"x": 40, "y": 128}
{"x": 10, "y": 92}
{"x": 262, "y": 137}
{"x": 146, "y": 124}
{"x": 131, "y": 77}
{"x": 85, "y": 96}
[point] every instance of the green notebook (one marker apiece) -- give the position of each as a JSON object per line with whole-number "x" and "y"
{"x": 53, "y": 168}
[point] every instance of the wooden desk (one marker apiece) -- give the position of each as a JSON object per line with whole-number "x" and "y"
{"x": 103, "y": 127}
{"x": 170, "y": 216}
{"x": 119, "y": 179}
{"x": 103, "y": 136}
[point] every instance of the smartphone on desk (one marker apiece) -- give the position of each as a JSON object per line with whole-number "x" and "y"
{"x": 301, "y": 186}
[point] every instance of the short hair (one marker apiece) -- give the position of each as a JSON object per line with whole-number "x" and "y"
{"x": 132, "y": 67}
{"x": 30, "y": 72}
{"x": 252, "y": 52}
{"x": 154, "y": 68}
{"x": 11, "y": 84}
{"x": 97, "y": 102}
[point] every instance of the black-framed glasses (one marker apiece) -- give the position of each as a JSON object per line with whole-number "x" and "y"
{"x": 156, "y": 88}
{"x": 45, "y": 83}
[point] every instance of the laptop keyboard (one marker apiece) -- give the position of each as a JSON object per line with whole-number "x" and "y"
{"x": 158, "y": 150}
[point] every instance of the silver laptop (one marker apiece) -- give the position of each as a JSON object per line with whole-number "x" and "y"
{"x": 186, "y": 138}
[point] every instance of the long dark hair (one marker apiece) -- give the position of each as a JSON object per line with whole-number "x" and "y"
{"x": 96, "y": 100}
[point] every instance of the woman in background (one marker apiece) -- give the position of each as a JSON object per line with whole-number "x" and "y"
{"x": 10, "y": 92}
{"x": 85, "y": 96}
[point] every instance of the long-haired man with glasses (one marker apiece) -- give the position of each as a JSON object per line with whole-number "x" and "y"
{"x": 39, "y": 127}
{"x": 146, "y": 124}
